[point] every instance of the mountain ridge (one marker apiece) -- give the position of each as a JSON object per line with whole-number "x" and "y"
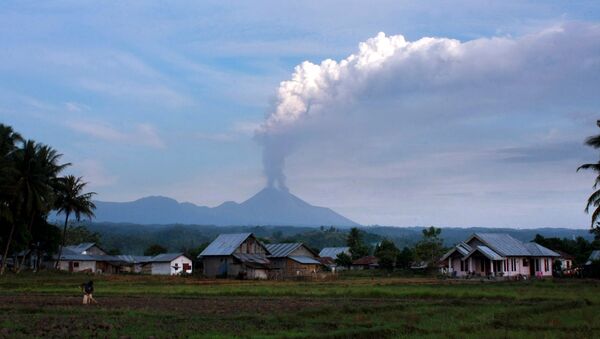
{"x": 270, "y": 206}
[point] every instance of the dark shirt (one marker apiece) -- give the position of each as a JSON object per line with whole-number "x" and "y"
{"x": 88, "y": 288}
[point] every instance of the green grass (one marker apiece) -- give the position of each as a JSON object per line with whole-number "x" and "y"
{"x": 345, "y": 308}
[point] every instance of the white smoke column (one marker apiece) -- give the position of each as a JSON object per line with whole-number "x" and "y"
{"x": 313, "y": 86}
{"x": 494, "y": 72}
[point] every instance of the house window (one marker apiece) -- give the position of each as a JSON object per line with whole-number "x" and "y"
{"x": 505, "y": 265}
{"x": 513, "y": 264}
{"x": 546, "y": 265}
{"x": 525, "y": 262}
{"x": 466, "y": 266}
{"x": 482, "y": 265}
{"x": 76, "y": 264}
{"x": 462, "y": 266}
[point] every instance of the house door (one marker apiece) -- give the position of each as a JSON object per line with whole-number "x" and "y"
{"x": 70, "y": 266}
{"x": 532, "y": 265}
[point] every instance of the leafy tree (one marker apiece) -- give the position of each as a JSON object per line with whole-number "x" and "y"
{"x": 594, "y": 199}
{"x": 430, "y": 248}
{"x": 114, "y": 251}
{"x": 193, "y": 253}
{"x": 155, "y": 249}
{"x": 405, "y": 258}
{"x": 72, "y": 200}
{"x": 343, "y": 260}
{"x": 387, "y": 253}
{"x": 358, "y": 249}
{"x": 80, "y": 234}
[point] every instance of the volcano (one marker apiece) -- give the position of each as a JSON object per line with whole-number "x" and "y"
{"x": 269, "y": 207}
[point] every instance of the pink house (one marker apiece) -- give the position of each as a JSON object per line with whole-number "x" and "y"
{"x": 498, "y": 255}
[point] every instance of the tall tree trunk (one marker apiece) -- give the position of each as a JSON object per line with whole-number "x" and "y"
{"x": 5, "y": 256}
{"x": 64, "y": 239}
{"x": 22, "y": 263}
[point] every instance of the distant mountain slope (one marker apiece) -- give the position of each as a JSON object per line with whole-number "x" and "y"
{"x": 270, "y": 206}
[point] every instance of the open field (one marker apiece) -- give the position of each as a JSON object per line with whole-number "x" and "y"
{"x": 142, "y": 306}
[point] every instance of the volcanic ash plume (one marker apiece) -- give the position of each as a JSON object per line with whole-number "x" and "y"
{"x": 493, "y": 71}
{"x": 308, "y": 93}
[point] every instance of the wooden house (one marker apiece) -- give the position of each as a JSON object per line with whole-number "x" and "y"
{"x": 238, "y": 255}
{"x": 290, "y": 260}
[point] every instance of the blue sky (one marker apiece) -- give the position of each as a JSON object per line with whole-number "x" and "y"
{"x": 149, "y": 98}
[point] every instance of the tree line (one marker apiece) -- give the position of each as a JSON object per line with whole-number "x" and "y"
{"x": 31, "y": 187}
{"x": 425, "y": 253}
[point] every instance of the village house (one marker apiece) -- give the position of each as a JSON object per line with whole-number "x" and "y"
{"x": 329, "y": 254}
{"x": 333, "y": 252}
{"x": 167, "y": 264}
{"x": 566, "y": 262}
{"x": 292, "y": 260}
{"x": 238, "y": 255}
{"x": 86, "y": 257}
{"x": 365, "y": 263}
{"x": 498, "y": 255}
{"x": 89, "y": 257}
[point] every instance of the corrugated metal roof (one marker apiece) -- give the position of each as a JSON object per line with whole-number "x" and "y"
{"x": 225, "y": 244}
{"x": 252, "y": 258}
{"x": 80, "y": 248}
{"x": 165, "y": 257}
{"x": 503, "y": 244}
{"x": 487, "y": 252}
{"x": 462, "y": 249}
{"x": 305, "y": 260}
{"x": 283, "y": 249}
{"x": 540, "y": 251}
{"x": 332, "y": 252}
{"x": 594, "y": 256}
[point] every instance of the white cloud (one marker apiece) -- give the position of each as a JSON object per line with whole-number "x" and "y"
{"x": 142, "y": 134}
{"x": 95, "y": 173}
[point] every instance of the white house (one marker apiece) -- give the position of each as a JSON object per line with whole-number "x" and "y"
{"x": 168, "y": 264}
{"x": 86, "y": 257}
{"x": 499, "y": 255}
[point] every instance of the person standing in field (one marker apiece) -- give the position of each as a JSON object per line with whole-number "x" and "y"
{"x": 88, "y": 290}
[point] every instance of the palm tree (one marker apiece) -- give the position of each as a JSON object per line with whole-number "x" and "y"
{"x": 36, "y": 169}
{"x": 594, "y": 199}
{"x": 8, "y": 144}
{"x": 71, "y": 200}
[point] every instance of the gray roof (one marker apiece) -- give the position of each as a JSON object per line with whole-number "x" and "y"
{"x": 462, "y": 249}
{"x": 225, "y": 244}
{"x": 503, "y": 244}
{"x": 252, "y": 258}
{"x": 497, "y": 246}
{"x": 332, "y": 252}
{"x": 80, "y": 248}
{"x": 487, "y": 252}
{"x": 593, "y": 257}
{"x": 540, "y": 251}
{"x": 305, "y": 260}
{"x": 166, "y": 257}
{"x": 283, "y": 249}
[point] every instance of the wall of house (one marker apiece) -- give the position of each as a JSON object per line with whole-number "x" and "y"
{"x": 302, "y": 251}
{"x": 160, "y": 268}
{"x": 82, "y": 266}
{"x": 256, "y": 273}
{"x": 217, "y": 266}
{"x": 251, "y": 246}
{"x": 180, "y": 261}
